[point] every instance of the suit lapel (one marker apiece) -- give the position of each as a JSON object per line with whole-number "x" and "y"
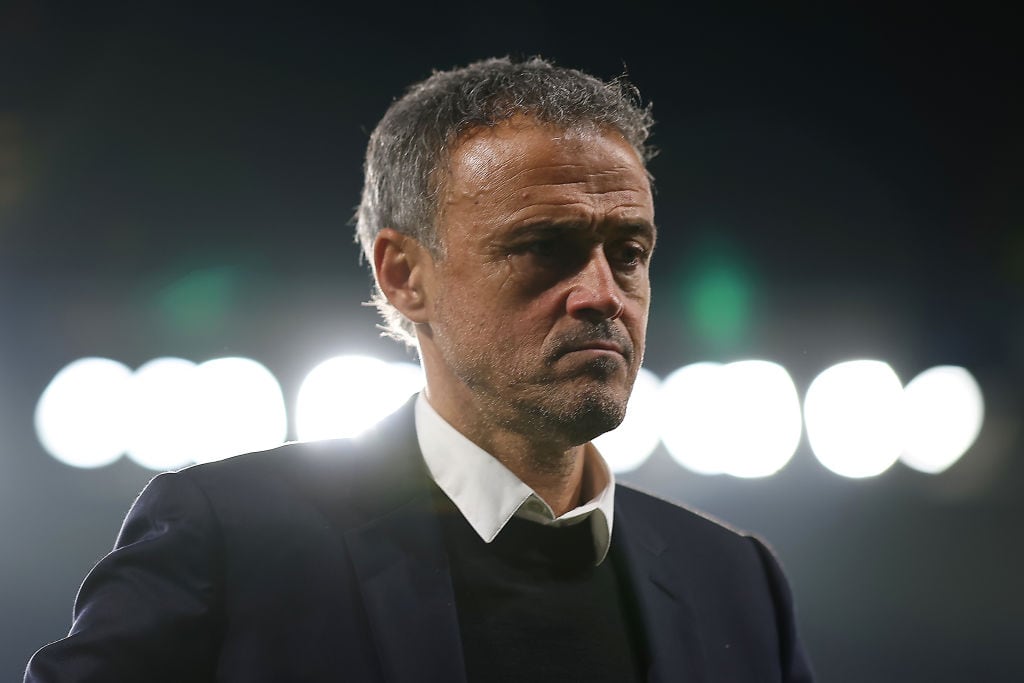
{"x": 398, "y": 554}
{"x": 674, "y": 648}
{"x": 407, "y": 590}
{"x": 402, "y": 569}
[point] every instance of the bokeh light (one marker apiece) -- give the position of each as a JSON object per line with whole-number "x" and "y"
{"x": 719, "y": 305}
{"x": 945, "y": 412}
{"x": 200, "y": 300}
{"x": 854, "y": 416}
{"x": 763, "y": 422}
{"x": 80, "y": 414}
{"x": 690, "y": 406}
{"x": 742, "y": 418}
{"x": 163, "y": 414}
{"x": 346, "y": 395}
{"x": 632, "y": 442}
{"x": 241, "y": 409}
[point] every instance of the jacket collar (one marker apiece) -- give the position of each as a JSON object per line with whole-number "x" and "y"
{"x": 672, "y": 636}
{"x": 398, "y": 555}
{"x": 400, "y": 563}
{"x": 488, "y": 494}
{"x": 378, "y": 496}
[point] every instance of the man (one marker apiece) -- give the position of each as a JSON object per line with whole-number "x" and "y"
{"x": 477, "y": 534}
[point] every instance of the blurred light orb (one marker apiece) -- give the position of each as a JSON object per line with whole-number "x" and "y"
{"x": 80, "y": 416}
{"x": 742, "y": 418}
{"x": 945, "y": 412}
{"x": 163, "y": 415}
{"x": 854, "y": 415}
{"x": 240, "y": 409}
{"x": 762, "y": 420}
{"x": 630, "y": 444}
{"x": 692, "y": 402}
{"x": 346, "y": 395}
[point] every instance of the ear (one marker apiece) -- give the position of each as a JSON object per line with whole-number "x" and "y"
{"x": 403, "y": 268}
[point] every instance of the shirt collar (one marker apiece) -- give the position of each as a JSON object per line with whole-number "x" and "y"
{"x": 488, "y": 494}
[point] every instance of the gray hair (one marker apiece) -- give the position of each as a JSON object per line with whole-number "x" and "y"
{"x": 408, "y": 150}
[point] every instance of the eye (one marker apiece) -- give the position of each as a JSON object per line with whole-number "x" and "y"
{"x": 551, "y": 254}
{"x": 628, "y": 255}
{"x": 547, "y": 250}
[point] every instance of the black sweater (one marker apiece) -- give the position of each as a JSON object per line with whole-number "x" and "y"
{"x": 533, "y": 607}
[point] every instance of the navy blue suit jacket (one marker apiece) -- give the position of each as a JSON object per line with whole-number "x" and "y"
{"x": 325, "y": 562}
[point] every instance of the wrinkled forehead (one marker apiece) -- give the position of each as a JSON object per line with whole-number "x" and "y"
{"x": 485, "y": 158}
{"x": 527, "y": 135}
{"x": 523, "y": 172}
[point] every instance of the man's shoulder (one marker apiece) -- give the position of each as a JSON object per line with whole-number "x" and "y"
{"x": 713, "y": 552}
{"x": 348, "y": 479}
{"x": 287, "y": 458}
{"x": 674, "y": 518}
{"x": 386, "y": 450}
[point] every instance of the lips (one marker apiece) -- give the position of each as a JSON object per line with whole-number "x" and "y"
{"x": 600, "y": 345}
{"x": 603, "y": 338}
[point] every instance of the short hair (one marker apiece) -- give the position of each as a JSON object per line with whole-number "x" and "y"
{"x": 409, "y": 149}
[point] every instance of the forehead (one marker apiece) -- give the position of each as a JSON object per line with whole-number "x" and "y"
{"x": 523, "y": 165}
{"x": 480, "y": 155}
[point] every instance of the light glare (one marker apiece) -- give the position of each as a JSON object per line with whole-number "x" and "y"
{"x": 945, "y": 412}
{"x": 692, "y": 402}
{"x": 742, "y": 418}
{"x": 79, "y": 415}
{"x": 762, "y": 422}
{"x": 163, "y": 414}
{"x": 346, "y": 395}
{"x": 240, "y": 409}
{"x": 854, "y": 415}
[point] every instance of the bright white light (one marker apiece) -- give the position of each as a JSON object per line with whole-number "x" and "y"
{"x": 689, "y": 407}
{"x": 80, "y": 414}
{"x": 240, "y": 409}
{"x": 163, "y": 414}
{"x": 692, "y": 403}
{"x": 945, "y": 411}
{"x": 742, "y": 418}
{"x": 630, "y": 444}
{"x": 762, "y": 422}
{"x": 854, "y": 413}
{"x": 346, "y": 395}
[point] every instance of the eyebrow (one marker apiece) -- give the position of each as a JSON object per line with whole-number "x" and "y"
{"x": 641, "y": 228}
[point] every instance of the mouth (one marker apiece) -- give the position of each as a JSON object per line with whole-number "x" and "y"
{"x": 602, "y": 343}
{"x": 595, "y": 360}
{"x": 599, "y": 345}
{"x": 601, "y": 348}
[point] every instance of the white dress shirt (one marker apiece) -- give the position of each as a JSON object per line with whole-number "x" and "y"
{"x": 488, "y": 494}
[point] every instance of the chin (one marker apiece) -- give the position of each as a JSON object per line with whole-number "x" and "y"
{"x": 595, "y": 417}
{"x": 579, "y": 417}
{"x": 598, "y": 367}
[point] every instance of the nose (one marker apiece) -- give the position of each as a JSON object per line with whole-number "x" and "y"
{"x": 595, "y": 295}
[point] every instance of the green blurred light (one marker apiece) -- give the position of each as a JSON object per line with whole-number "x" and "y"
{"x": 714, "y": 296}
{"x": 200, "y": 300}
{"x": 717, "y": 302}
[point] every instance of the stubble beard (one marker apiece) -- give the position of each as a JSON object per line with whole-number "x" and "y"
{"x": 575, "y": 422}
{"x": 552, "y": 411}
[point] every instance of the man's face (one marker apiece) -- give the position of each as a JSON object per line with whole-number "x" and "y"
{"x": 540, "y": 299}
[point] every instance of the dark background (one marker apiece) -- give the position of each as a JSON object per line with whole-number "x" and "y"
{"x": 856, "y": 171}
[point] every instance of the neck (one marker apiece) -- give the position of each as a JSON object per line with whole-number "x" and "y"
{"x": 556, "y": 477}
{"x": 552, "y": 469}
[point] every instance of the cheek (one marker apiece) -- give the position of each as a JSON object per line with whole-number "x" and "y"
{"x": 636, "y": 319}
